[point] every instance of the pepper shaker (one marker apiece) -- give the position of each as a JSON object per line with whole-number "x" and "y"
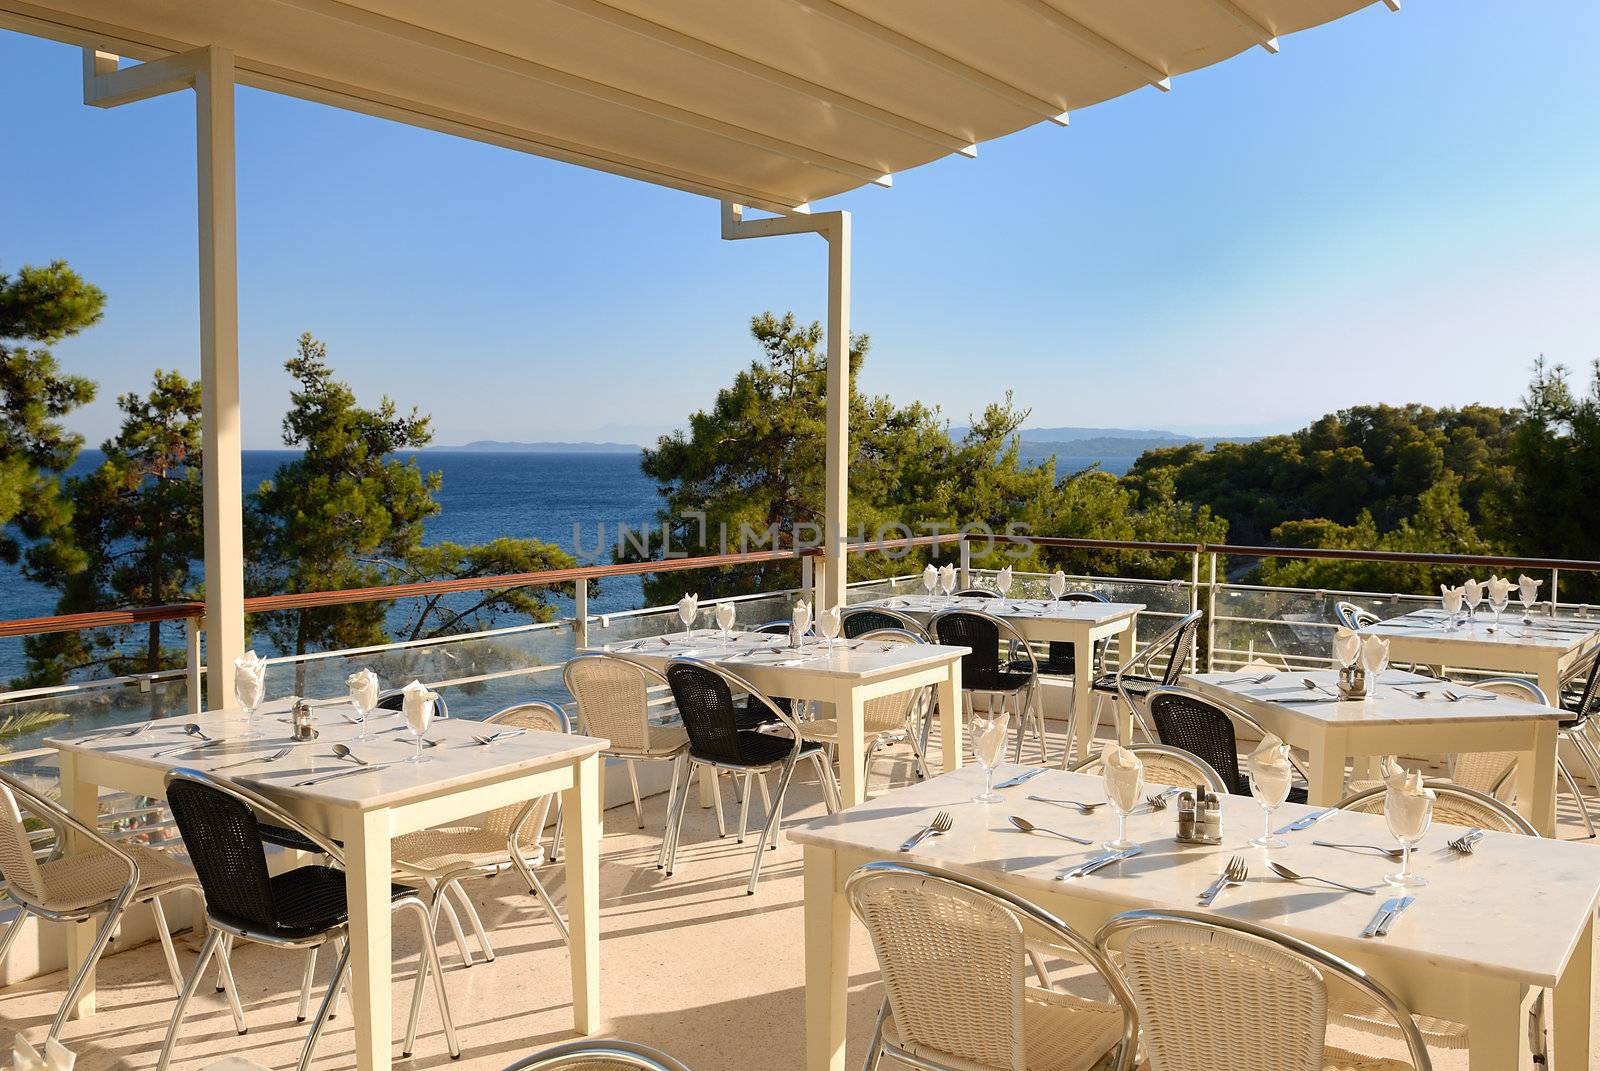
{"x": 301, "y": 719}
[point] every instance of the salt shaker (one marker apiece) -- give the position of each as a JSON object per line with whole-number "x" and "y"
{"x": 1186, "y": 813}
{"x": 301, "y": 720}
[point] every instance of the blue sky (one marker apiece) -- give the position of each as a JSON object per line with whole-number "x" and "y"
{"x": 1398, "y": 207}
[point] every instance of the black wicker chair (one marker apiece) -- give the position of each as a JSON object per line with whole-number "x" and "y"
{"x": 983, "y": 671}
{"x": 1132, "y": 682}
{"x": 1204, "y": 727}
{"x": 704, "y": 694}
{"x": 864, "y": 619}
{"x": 756, "y": 713}
{"x": 974, "y": 593}
{"x": 1060, "y": 659}
{"x": 303, "y": 908}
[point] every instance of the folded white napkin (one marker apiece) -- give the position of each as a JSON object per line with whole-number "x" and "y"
{"x": 1374, "y": 654}
{"x": 1002, "y": 580}
{"x": 1528, "y": 589}
{"x": 688, "y": 608}
{"x": 947, "y": 575}
{"x": 363, "y": 685}
{"x": 930, "y": 577}
{"x": 1407, "y": 804}
{"x": 1346, "y": 646}
{"x": 801, "y": 617}
{"x": 1270, "y": 771}
{"x": 1124, "y": 777}
{"x": 1499, "y": 589}
{"x": 725, "y": 615}
{"x": 829, "y": 620}
{"x": 249, "y": 679}
{"x": 1058, "y": 584}
{"x": 417, "y": 704}
{"x": 56, "y": 1057}
{"x": 989, "y": 737}
{"x": 1451, "y": 597}
{"x": 1472, "y": 592}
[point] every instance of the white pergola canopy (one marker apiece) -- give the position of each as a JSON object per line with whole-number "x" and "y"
{"x": 770, "y": 103}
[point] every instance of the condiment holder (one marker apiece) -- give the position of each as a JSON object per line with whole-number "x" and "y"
{"x": 1199, "y": 817}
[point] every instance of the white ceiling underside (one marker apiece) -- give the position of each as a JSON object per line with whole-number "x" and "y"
{"x": 772, "y": 103}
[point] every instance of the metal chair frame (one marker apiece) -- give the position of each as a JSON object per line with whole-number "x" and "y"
{"x": 630, "y": 755}
{"x": 1175, "y": 641}
{"x": 908, "y": 733}
{"x": 1213, "y": 780}
{"x": 1028, "y": 693}
{"x": 585, "y": 1053}
{"x": 906, "y": 622}
{"x": 1354, "y": 617}
{"x": 1447, "y": 789}
{"x": 1232, "y": 713}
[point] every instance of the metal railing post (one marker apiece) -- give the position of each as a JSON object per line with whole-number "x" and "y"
{"x": 580, "y": 614}
{"x": 964, "y": 569}
{"x": 1555, "y": 594}
{"x": 1211, "y": 615}
{"x": 191, "y": 644}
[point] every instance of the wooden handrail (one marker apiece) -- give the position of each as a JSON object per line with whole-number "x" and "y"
{"x": 35, "y": 626}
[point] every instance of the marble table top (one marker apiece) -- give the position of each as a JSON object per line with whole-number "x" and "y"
{"x": 1430, "y": 626}
{"x": 1515, "y": 909}
{"x": 1094, "y": 613}
{"x": 456, "y": 762}
{"x": 847, "y": 659}
{"x": 1399, "y": 698}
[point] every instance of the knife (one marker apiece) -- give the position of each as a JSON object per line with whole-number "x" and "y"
{"x": 345, "y": 773}
{"x": 1024, "y": 776}
{"x": 1085, "y": 869}
{"x": 1306, "y": 821}
{"x": 1381, "y": 918}
{"x": 1392, "y": 917}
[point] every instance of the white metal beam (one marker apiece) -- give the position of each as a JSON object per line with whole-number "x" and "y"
{"x": 1102, "y": 44}
{"x": 694, "y": 46}
{"x": 834, "y": 227}
{"x": 565, "y": 80}
{"x": 1249, "y": 24}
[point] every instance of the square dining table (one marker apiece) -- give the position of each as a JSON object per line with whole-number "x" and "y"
{"x": 1082, "y": 624}
{"x": 1549, "y": 649}
{"x": 1486, "y": 933}
{"x": 365, "y": 810}
{"x": 1404, "y": 714}
{"x": 846, "y": 675}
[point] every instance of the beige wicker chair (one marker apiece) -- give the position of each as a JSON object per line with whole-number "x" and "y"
{"x": 1165, "y": 765}
{"x": 102, "y": 877}
{"x": 1264, "y": 1005}
{"x": 615, "y": 702}
{"x": 1454, "y": 806}
{"x": 888, "y": 719}
{"x": 952, "y": 952}
{"x": 510, "y": 837}
{"x": 598, "y": 1056}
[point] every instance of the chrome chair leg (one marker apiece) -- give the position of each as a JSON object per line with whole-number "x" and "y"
{"x": 1582, "y": 745}
{"x": 766, "y": 797}
{"x": 225, "y": 969}
{"x": 633, "y": 783}
{"x": 428, "y": 962}
{"x": 536, "y": 888}
{"x": 875, "y": 1046}
{"x": 677, "y": 822}
{"x": 212, "y": 941}
{"x": 442, "y": 897}
{"x": 306, "y": 978}
{"x": 340, "y": 969}
{"x": 165, "y": 934}
{"x": 832, "y": 794}
{"x": 680, "y": 765}
{"x": 101, "y": 939}
{"x": 555, "y": 836}
{"x": 12, "y": 929}
{"x": 744, "y": 808}
{"x": 770, "y": 831}
{"x": 473, "y": 920}
{"x": 716, "y": 798}
{"x": 1572, "y": 786}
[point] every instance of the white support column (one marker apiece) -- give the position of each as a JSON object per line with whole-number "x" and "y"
{"x": 209, "y": 72}
{"x": 834, "y": 227}
{"x": 219, "y": 373}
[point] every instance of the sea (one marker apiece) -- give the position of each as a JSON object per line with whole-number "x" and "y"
{"x": 483, "y": 496}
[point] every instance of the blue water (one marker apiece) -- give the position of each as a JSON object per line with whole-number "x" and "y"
{"x": 484, "y": 496}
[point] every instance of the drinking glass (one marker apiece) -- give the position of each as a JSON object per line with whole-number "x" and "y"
{"x": 1271, "y": 796}
{"x": 947, "y": 584}
{"x": 418, "y": 721}
{"x": 1124, "y": 804}
{"x": 1499, "y": 607}
{"x": 1472, "y": 607}
{"x": 828, "y": 625}
{"x": 989, "y": 743}
{"x": 687, "y": 614}
{"x": 248, "y": 691}
{"x": 1405, "y": 878}
{"x": 358, "y": 700}
{"x": 1058, "y": 585}
{"x": 1003, "y": 590}
{"x": 725, "y": 614}
{"x": 1527, "y": 608}
{"x": 930, "y": 582}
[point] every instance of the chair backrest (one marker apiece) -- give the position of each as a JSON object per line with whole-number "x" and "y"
{"x": 1587, "y": 703}
{"x": 1352, "y": 616}
{"x": 1177, "y": 641}
{"x": 1514, "y": 688}
{"x": 864, "y": 619}
{"x": 17, "y": 862}
{"x": 1262, "y": 1001}
{"x": 1164, "y": 765}
{"x": 598, "y": 1056}
{"x": 1454, "y": 805}
{"x": 974, "y": 593}
{"x": 613, "y": 697}
{"x": 1082, "y": 596}
{"x": 772, "y": 628}
{"x": 704, "y": 694}
{"x": 221, "y": 828}
{"x": 1489, "y": 771}
{"x": 540, "y": 717}
{"x": 1194, "y": 723}
{"x": 888, "y": 712}
{"x": 395, "y": 699}
{"x": 982, "y": 634}
{"x": 952, "y": 954}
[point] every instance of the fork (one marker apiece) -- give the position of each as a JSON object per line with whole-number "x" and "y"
{"x": 1233, "y": 874}
{"x": 501, "y": 735}
{"x": 1083, "y": 808}
{"x": 1464, "y": 844}
{"x": 1262, "y": 679}
{"x": 940, "y": 825}
{"x": 274, "y": 757}
{"x": 1389, "y": 853}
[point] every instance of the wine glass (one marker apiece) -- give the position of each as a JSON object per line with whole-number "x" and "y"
{"x": 248, "y": 688}
{"x": 1528, "y": 595}
{"x": 930, "y": 580}
{"x": 1058, "y": 584}
{"x": 687, "y": 612}
{"x": 1409, "y": 819}
{"x": 1474, "y": 601}
{"x": 989, "y": 743}
{"x": 947, "y": 582}
{"x": 363, "y": 699}
{"x": 828, "y": 625}
{"x": 419, "y": 716}
{"x": 1497, "y": 602}
{"x": 725, "y": 615}
{"x": 1270, "y": 791}
{"x": 1124, "y": 792}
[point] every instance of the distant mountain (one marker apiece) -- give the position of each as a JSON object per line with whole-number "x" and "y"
{"x": 1065, "y": 435}
{"x": 495, "y": 446}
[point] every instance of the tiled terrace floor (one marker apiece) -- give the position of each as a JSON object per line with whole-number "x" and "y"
{"x": 690, "y": 964}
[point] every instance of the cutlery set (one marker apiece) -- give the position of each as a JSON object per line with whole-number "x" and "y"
{"x": 1386, "y": 916}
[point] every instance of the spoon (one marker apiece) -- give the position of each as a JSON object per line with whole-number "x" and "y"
{"x": 342, "y": 752}
{"x": 1313, "y": 686}
{"x": 1026, "y": 826}
{"x": 193, "y": 729}
{"x": 1289, "y": 875}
